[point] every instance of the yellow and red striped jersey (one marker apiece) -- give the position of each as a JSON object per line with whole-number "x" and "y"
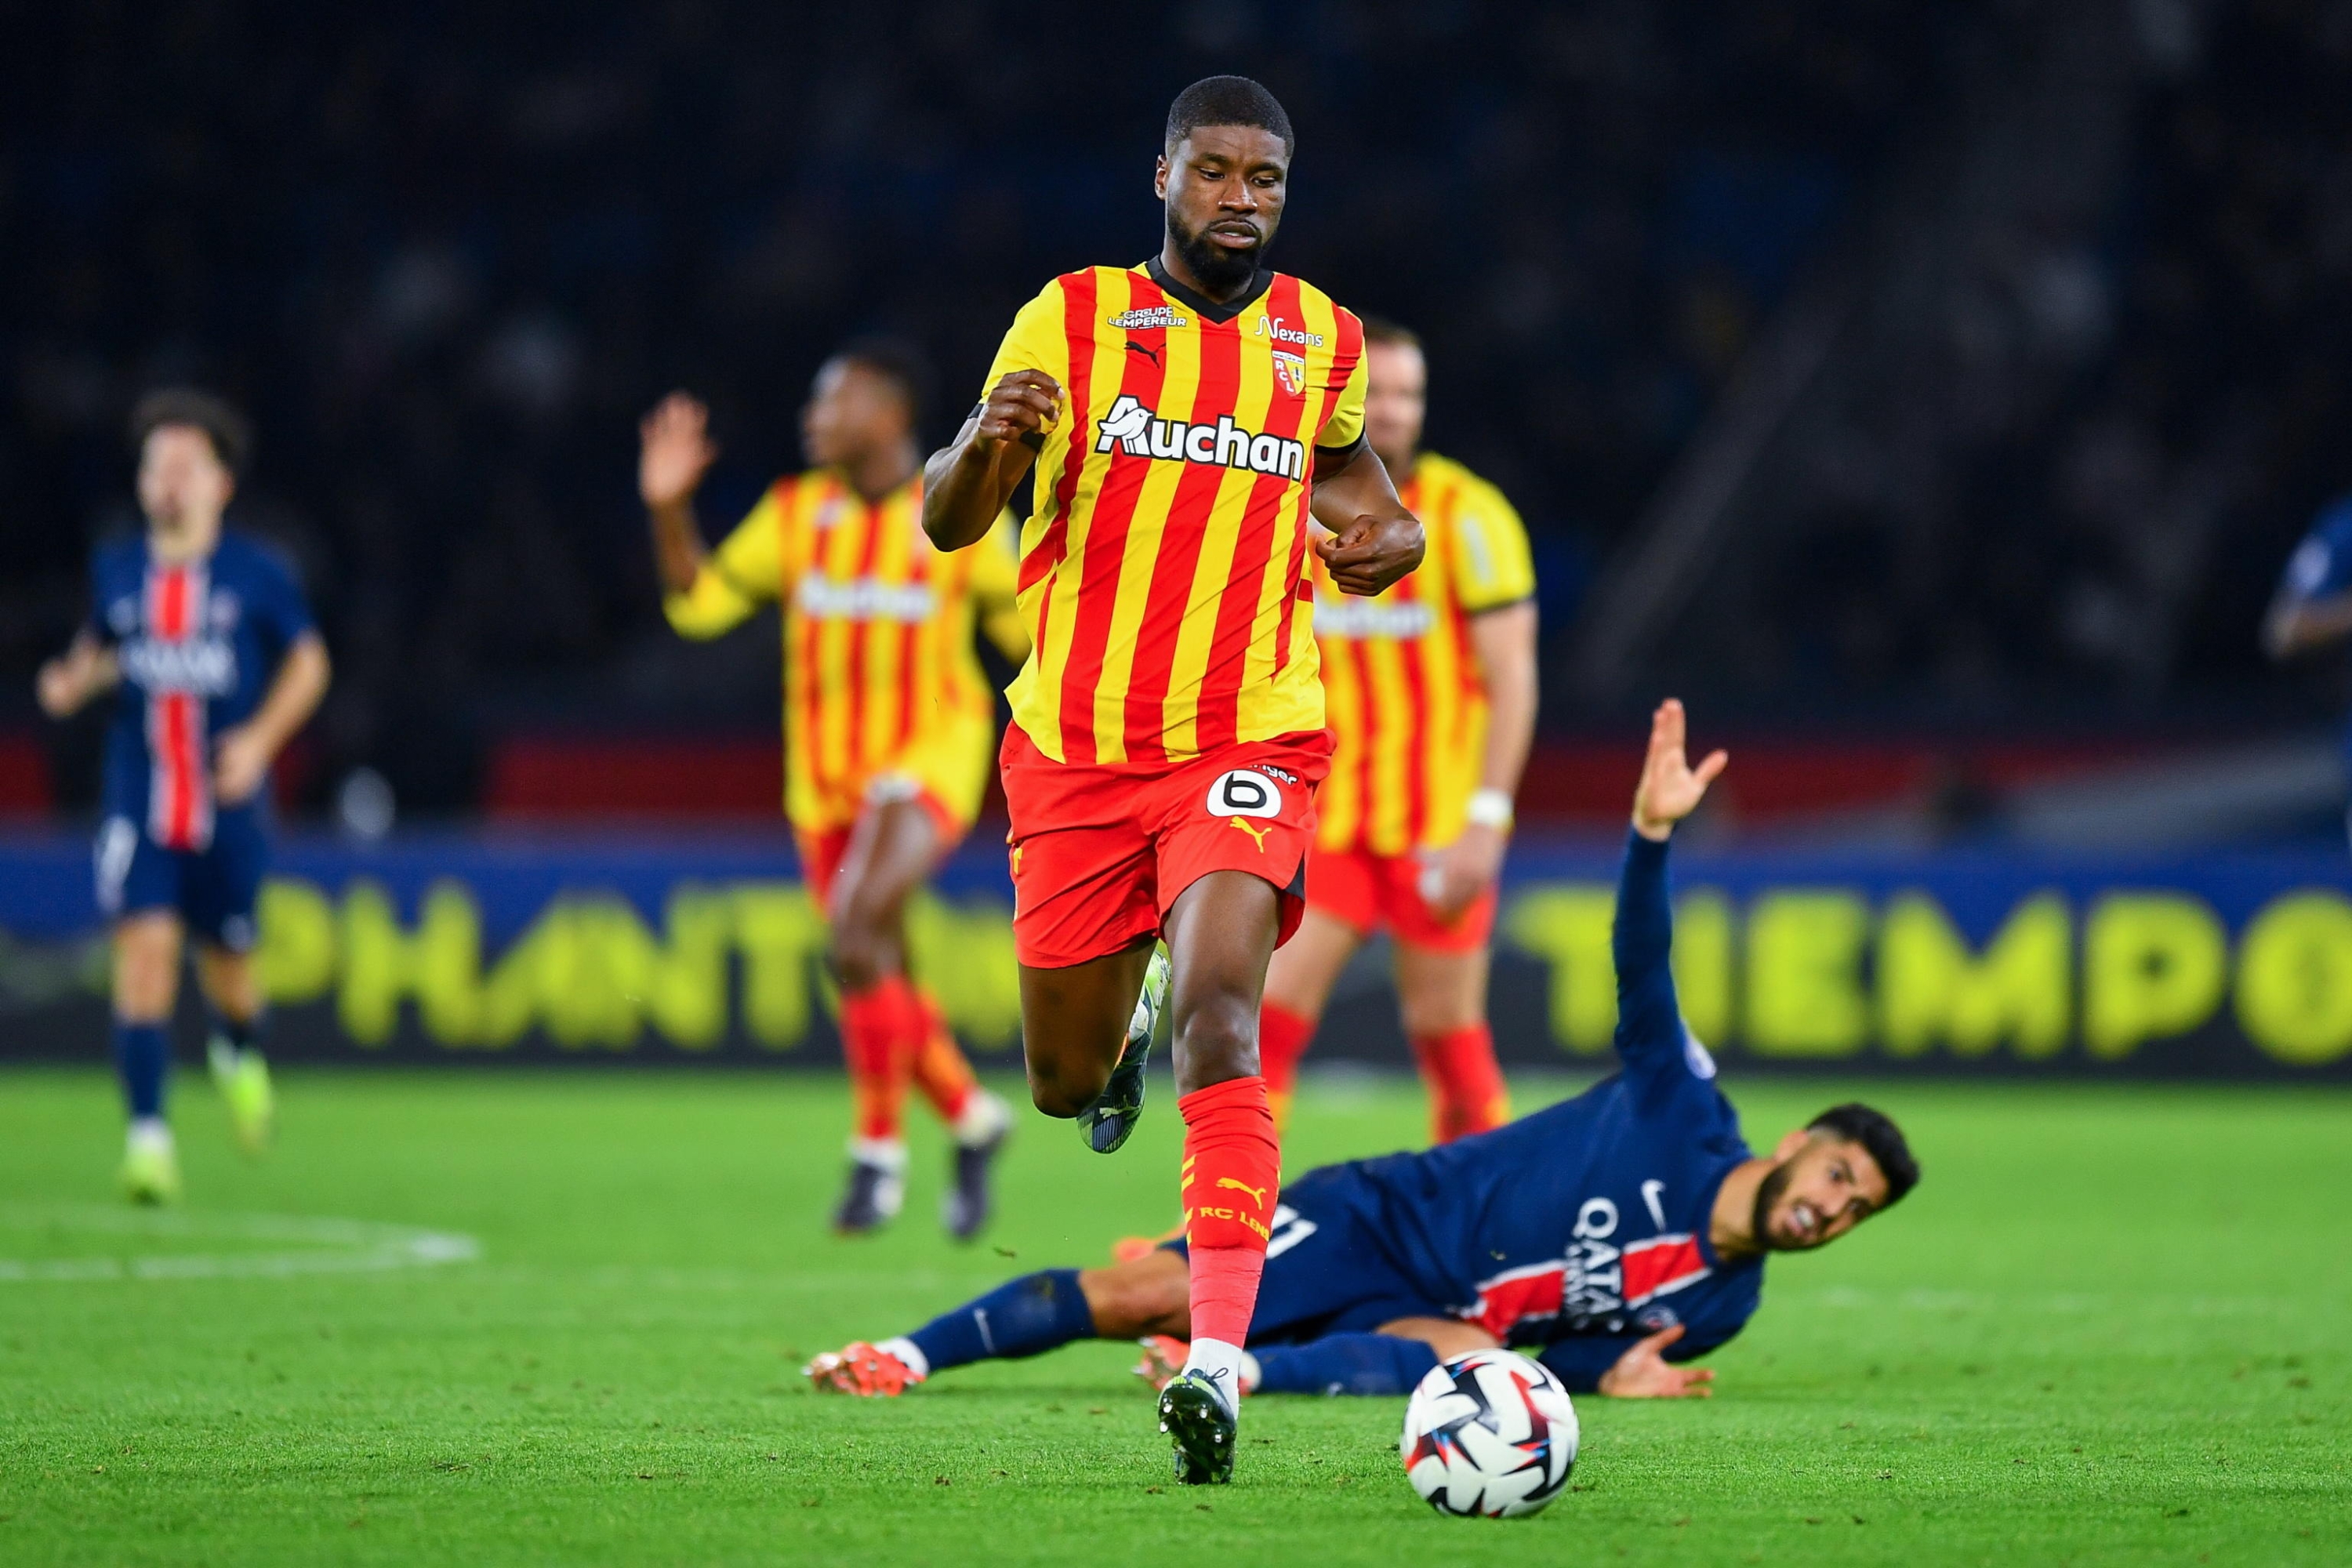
{"x": 1162, "y": 572}
{"x": 880, "y": 676}
{"x": 1407, "y": 704}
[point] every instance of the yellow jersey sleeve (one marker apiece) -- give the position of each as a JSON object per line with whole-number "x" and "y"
{"x": 1346, "y": 420}
{"x": 745, "y": 571}
{"x": 1039, "y": 340}
{"x": 1492, "y": 566}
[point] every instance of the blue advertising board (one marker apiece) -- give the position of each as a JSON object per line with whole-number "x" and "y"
{"x": 576, "y": 947}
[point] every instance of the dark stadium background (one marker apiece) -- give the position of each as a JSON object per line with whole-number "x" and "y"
{"x": 1929, "y": 393}
{"x": 2088, "y": 390}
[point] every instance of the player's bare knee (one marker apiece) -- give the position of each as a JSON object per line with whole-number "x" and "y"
{"x": 1217, "y": 1038}
{"x": 1438, "y": 1016}
{"x": 146, "y": 976}
{"x": 1064, "y": 1091}
{"x": 861, "y": 956}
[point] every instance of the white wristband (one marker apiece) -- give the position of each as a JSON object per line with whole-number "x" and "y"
{"x": 1491, "y": 808}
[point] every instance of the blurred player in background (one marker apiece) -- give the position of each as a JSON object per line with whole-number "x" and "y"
{"x": 1431, "y": 689}
{"x": 2313, "y": 609}
{"x": 1183, "y": 416}
{"x": 888, "y": 724}
{"x": 220, "y": 664}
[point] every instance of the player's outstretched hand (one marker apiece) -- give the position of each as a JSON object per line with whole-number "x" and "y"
{"x": 240, "y": 764}
{"x": 1463, "y": 870}
{"x": 674, "y": 449}
{"x": 1644, "y": 1373}
{"x": 1671, "y": 788}
{"x": 58, "y": 686}
{"x": 1026, "y": 403}
{"x": 1373, "y": 553}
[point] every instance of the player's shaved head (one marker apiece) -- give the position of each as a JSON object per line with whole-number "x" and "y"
{"x": 864, "y": 406}
{"x": 896, "y": 361}
{"x": 1225, "y": 174}
{"x": 1396, "y": 393}
{"x": 1227, "y": 101}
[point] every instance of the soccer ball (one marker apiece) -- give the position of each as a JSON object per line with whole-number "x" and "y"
{"x": 1490, "y": 1433}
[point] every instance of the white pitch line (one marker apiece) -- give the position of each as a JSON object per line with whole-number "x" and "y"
{"x": 334, "y": 1245}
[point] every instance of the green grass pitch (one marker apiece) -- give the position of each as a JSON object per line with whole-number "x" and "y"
{"x": 2110, "y": 1326}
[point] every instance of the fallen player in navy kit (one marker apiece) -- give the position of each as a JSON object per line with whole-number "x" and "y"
{"x": 1618, "y": 1234}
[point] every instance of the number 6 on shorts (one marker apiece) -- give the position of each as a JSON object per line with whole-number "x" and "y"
{"x": 1244, "y": 791}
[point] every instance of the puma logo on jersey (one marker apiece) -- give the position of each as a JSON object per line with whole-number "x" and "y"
{"x": 1146, "y": 350}
{"x": 1257, "y": 1192}
{"x": 1133, "y": 428}
{"x": 1256, "y": 832}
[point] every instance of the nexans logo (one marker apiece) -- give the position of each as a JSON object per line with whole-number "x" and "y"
{"x": 1132, "y": 426}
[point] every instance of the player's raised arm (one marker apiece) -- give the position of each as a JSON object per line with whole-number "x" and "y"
{"x": 967, "y": 483}
{"x": 674, "y": 451}
{"x": 1649, "y": 1019}
{"x": 1374, "y": 540}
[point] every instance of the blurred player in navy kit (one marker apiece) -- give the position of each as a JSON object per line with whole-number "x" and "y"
{"x": 219, "y": 664}
{"x": 2313, "y": 609}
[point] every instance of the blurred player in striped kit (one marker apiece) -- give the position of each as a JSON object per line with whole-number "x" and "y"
{"x": 1431, "y": 689}
{"x": 212, "y": 645}
{"x": 889, "y": 726}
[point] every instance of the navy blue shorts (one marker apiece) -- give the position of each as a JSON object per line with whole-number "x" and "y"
{"x": 213, "y": 889}
{"x": 1327, "y": 1269}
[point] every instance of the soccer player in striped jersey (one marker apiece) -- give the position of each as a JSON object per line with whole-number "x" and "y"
{"x": 213, "y": 647}
{"x": 888, "y": 724}
{"x": 1196, "y": 426}
{"x": 1432, "y": 692}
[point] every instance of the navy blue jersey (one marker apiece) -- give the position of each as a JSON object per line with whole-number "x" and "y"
{"x": 1584, "y": 1225}
{"x": 2321, "y": 566}
{"x": 197, "y": 642}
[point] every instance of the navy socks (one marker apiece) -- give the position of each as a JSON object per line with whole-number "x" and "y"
{"x": 1345, "y": 1363}
{"x": 1023, "y": 1316}
{"x": 143, "y": 1057}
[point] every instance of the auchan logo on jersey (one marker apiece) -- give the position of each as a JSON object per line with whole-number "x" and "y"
{"x": 1136, "y": 429}
{"x": 863, "y": 599}
{"x": 1360, "y": 618}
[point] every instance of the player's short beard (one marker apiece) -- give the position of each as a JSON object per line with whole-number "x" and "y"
{"x": 1768, "y": 1193}
{"x": 1220, "y": 272}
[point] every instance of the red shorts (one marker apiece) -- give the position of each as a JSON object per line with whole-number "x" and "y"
{"x": 1366, "y": 891}
{"x": 822, "y": 852}
{"x": 1099, "y": 853}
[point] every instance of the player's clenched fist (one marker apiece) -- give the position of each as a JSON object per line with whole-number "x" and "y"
{"x": 1373, "y": 553}
{"x": 675, "y": 450}
{"x": 1026, "y": 403}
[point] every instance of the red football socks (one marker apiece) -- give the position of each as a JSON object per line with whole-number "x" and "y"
{"x": 1467, "y": 1092}
{"x": 882, "y": 1029}
{"x": 1230, "y": 1179}
{"x": 941, "y": 1071}
{"x": 1282, "y": 1039}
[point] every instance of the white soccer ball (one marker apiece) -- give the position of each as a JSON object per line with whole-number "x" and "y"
{"x": 1490, "y": 1433}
